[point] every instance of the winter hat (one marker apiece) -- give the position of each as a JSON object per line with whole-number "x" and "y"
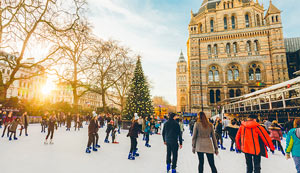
{"x": 252, "y": 116}
{"x": 136, "y": 117}
{"x": 94, "y": 114}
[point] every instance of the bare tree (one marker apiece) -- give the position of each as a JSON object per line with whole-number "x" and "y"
{"x": 121, "y": 87}
{"x": 108, "y": 60}
{"x": 26, "y": 23}
{"x": 73, "y": 66}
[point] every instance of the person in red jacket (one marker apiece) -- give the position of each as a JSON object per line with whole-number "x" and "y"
{"x": 252, "y": 140}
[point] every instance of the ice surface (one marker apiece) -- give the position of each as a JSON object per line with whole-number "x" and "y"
{"x": 67, "y": 155}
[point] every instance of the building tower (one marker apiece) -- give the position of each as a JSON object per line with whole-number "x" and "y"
{"x": 233, "y": 49}
{"x": 182, "y": 84}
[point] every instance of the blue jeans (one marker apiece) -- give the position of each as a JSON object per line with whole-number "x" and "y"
{"x": 297, "y": 163}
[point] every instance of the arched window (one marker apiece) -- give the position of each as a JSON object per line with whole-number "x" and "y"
{"x": 231, "y": 93}
{"x": 252, "y": 90}
{"x": 235, "y": 47}
{"x": 228, "y": 51}
{"x": 247, "y": 21}
{"x": 210, "y": 76}
{"x": 257, "y": 74}
{"x": 209, "y": 49}
{"x": 254, "y": 71}
{"x": 225, "y": 23}
{"x": 213, "y": 74}
{"x": 230, "y": 76}
{"x": 251, "y": 74}
{"x": 216, "y": 49}
{"x": 257, "y": 20}
{"x": 238, "y": 93}
{"x": 212, "y": 96}
{"x": 248, "y": 46}
{"x": 236, "y": 75}
{"x": 277, "y": 19}
{"x": 233, "y": 22}
{"x": 272, "y": 19}
{"x": 218, "y": 96}
{"x": 217, "y": 78}
{"x": 256, "y": 46}
{"x": 211, "y": 25}
{"x": 201, "y": 28}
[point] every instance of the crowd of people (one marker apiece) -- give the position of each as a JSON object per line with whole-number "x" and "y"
{"x": 253, "y": 137}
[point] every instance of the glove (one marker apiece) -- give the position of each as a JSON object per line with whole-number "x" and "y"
{"x": 287, "y": 156}
{"x": 194, "y": 150}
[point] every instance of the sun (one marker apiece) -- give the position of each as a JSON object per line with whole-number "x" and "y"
{"x": 48, "y": 87}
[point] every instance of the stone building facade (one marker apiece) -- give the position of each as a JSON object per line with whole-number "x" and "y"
{"x": 182, "y": 84}
{"x": 234, "y": 48}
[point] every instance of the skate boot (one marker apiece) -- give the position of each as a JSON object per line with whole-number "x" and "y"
{"x": 51, "y": 142}
{"x": 173, "y": 170}
{"x": 15, "y": 138}
{"x": 88, "y": 150}
{"x": 223, "y": 148}
{"x": 115, "y": 142}
{"x": 135, "y": 154}
{"x": 26, "y": 134}
{"x": 10, "y": 138}
{"x": 97, "y": 146}
{"x": 46, "y": 142}
{"x": 147, "y": 145}
{"x": 168, "y": 167}
{"x": 106, "y": 141}
{"x": 231, "y": 149}
{"x": 95, "y": 149}
{"x": 131, "y": 157}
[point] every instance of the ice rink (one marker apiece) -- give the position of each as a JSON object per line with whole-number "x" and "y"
{"x": 67, "y": 155}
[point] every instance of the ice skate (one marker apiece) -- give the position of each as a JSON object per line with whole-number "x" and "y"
{"x": 51, "y": 142}
{"x": 46, "y": 142}
{"x": 88, "y": 150}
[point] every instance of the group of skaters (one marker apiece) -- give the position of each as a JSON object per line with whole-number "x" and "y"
{"x": 10, "y": 124}
{"x": 252, "y": 137}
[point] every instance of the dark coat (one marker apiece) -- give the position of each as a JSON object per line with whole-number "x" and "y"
{"x": 51, "y": 124}
{"x": 93, "y": 127}
{"x": 109, "y": 128}
{"x": 171, "y": 132}
{"x": 219, "y": 128}
{"x": 134, "y": 130}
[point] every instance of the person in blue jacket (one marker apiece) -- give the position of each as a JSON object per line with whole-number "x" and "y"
{"x": 147, "y": 132}
{"x": 293, "y": 144}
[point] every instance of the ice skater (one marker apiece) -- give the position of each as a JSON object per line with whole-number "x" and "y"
{"x": 147, "y": 132}
{"x": 7, "y": 120}
{"x": 93, "y": 135}
{"x": 51, "y": 126}
{"x": 204, "y": 142}
{"x": 218, "y": 132}
{"x": 44, "y": 122}
{"x": 171, "y": 134}
{"x": 134, "y": 130}
{"x": 25, "y": 123}
{"x": 13, "y": 128}
{"x": 110, "y": 128}
{"x": 69, "y": 121}
{"x": 232, "y": 130}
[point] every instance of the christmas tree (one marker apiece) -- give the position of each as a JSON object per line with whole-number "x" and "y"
{"x": 139, "y": 99}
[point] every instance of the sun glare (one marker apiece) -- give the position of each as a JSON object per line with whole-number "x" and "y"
{"x": 48, "y": 87}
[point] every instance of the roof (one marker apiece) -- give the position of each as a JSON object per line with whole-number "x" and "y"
{"x": 181, "y": 58}
{"x": 272, "y": 9}
{"x": 273, "y": 87}
{"x": 292, "y": 44}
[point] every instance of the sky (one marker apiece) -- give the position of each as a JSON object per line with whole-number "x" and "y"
{"x": 158, "y": 31}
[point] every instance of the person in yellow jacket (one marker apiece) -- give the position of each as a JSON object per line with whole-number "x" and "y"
{"x": 293, "y": 144}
